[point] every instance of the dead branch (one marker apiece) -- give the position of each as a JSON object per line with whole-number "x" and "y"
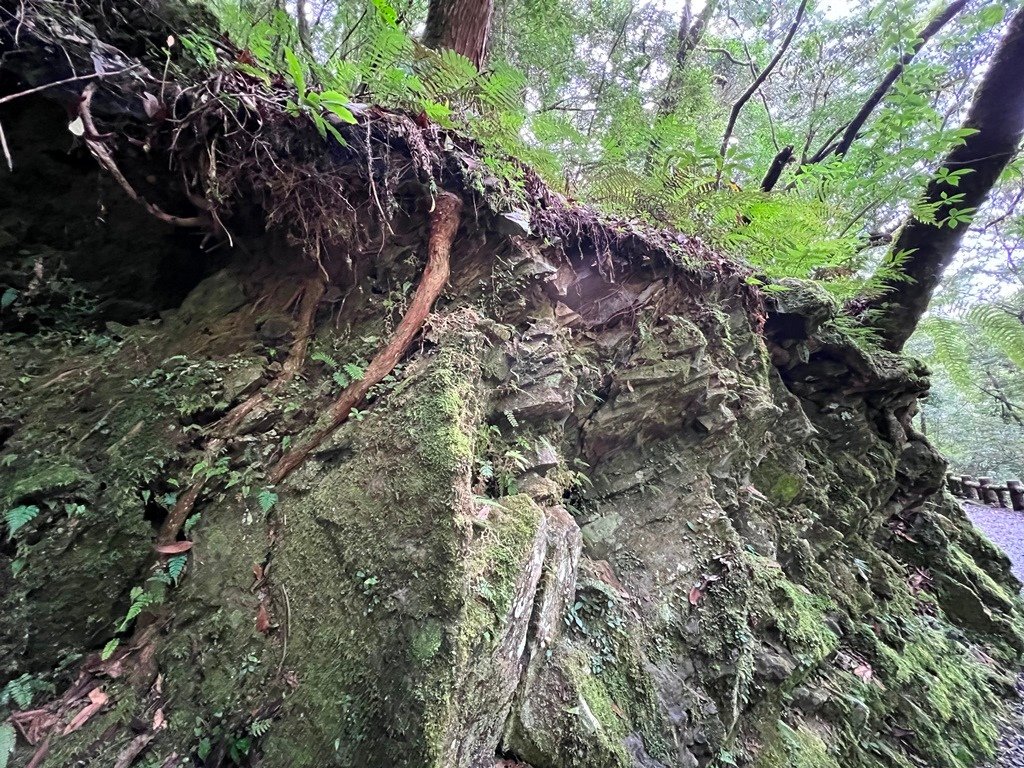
{"x": 444, "y": 223}
{"x": 65, "y": 81}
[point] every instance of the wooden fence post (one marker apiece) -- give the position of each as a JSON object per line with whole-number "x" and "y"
{"x": 969, "y": 486}
{"x": 985, "y": 491}
{"x": 1001, "y": 494}
{"x": 1016, "y": 494}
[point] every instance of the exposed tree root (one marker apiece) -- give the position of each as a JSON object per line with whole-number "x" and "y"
{"x": 93, "y": 141}
{"x": 311, "y": 295}
{"x": 444, "y": 223}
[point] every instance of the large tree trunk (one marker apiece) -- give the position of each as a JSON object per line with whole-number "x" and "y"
{"x": 926, "y": 248}
{"x": 462, "y": 25}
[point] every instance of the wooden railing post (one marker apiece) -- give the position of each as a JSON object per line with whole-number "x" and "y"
{"x": 985, "y": 492}
{"x": 1016, "y": 494}
{"x": 953, "y": 484}
{"x": 970, "y": 487}
{"x": 1002, "y": 496}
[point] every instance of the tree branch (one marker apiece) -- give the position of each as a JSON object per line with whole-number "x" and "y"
{"x": 857, "y": 124}
{"x": 734, "y": 113}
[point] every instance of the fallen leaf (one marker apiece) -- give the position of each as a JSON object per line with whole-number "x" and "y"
{"x": 695, "y": 595}
{"x": 158, "y": 719}
{"x": 77, "y": 127}
{"x": 864, "y": 672}
{"x": 174, "y": 548}
{"x": 262, "y": 620}
{"x": 151, "y": 104}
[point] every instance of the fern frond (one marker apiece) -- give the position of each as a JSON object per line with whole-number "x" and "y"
{"x": 1001, "y": 329}
{"x": 950, "y": 352}
{"x": 18, "y": 517}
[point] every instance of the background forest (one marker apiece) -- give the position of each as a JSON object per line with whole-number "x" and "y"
{"x": 795, "y": 135}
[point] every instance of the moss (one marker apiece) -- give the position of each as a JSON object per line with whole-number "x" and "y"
{"x": 775, "y": 482}
{"x": 943, "y": 693}
{"x": 798, "y": 614}
{"x": 42, "y": 479}
{"x": 795, "y": 747}
{"x": 426, "y": 642}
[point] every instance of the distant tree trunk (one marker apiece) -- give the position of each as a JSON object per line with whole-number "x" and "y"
{"x": 691, "y": 30}
{"x": 303, "y": 23}
{"x": 997, "y": 114}
{"x": 462, "y": 25}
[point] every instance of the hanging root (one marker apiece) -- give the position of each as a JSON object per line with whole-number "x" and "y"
{"x": 94, "y": 141}
{"x": 444, "y": 223}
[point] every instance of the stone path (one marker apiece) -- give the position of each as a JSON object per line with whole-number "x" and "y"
{"x": 1006, "y": 529}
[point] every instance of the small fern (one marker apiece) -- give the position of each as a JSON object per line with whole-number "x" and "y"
{"x": 266, "y": 499}
{"x": 260, "y": 727}
{"x": 323, "y": 357}
{"x": 176, "y": 566}
{"x": 18, "y": 517}
{"x": 109, "y": 648}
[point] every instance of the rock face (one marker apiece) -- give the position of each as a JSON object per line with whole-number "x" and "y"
{"x": 638, "y": 518}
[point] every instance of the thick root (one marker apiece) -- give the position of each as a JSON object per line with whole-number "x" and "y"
{"x": 444, "y": 223}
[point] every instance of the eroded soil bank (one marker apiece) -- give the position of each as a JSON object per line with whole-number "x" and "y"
{"x": 615, "y": 507}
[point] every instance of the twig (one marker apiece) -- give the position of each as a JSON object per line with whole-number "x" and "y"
{"x": 287, "y": 629}
{"x": 734, "y": 113}
{"x": 6, "y": 149}
{"x": 65, "y": 81}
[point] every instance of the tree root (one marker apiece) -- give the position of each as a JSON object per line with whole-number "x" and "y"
{"x": 102, "y": 154}
{"x": 444, "y": 223}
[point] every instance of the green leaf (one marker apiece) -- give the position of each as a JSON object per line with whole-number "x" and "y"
{"x": 338, "y": 108}
{"x": 109, "y": 648}
{"x": 296, "y": 71}
{"x": 386, "y": 12}
{"x": 991, "y": 15}
{"x": 8, "y": 298}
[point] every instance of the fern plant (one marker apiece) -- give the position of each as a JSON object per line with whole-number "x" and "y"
{"x": 18, "y": 517}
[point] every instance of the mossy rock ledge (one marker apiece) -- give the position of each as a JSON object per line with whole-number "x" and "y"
{"x": 616, "y": 509}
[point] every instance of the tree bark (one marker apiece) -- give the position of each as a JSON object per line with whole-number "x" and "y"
{"x": 461, "y": 25}
{"x": 923, "y": 250}
{"x": 691, "y": 30}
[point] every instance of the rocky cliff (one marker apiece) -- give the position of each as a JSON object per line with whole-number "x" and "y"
{"x": 616, "y": 506}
